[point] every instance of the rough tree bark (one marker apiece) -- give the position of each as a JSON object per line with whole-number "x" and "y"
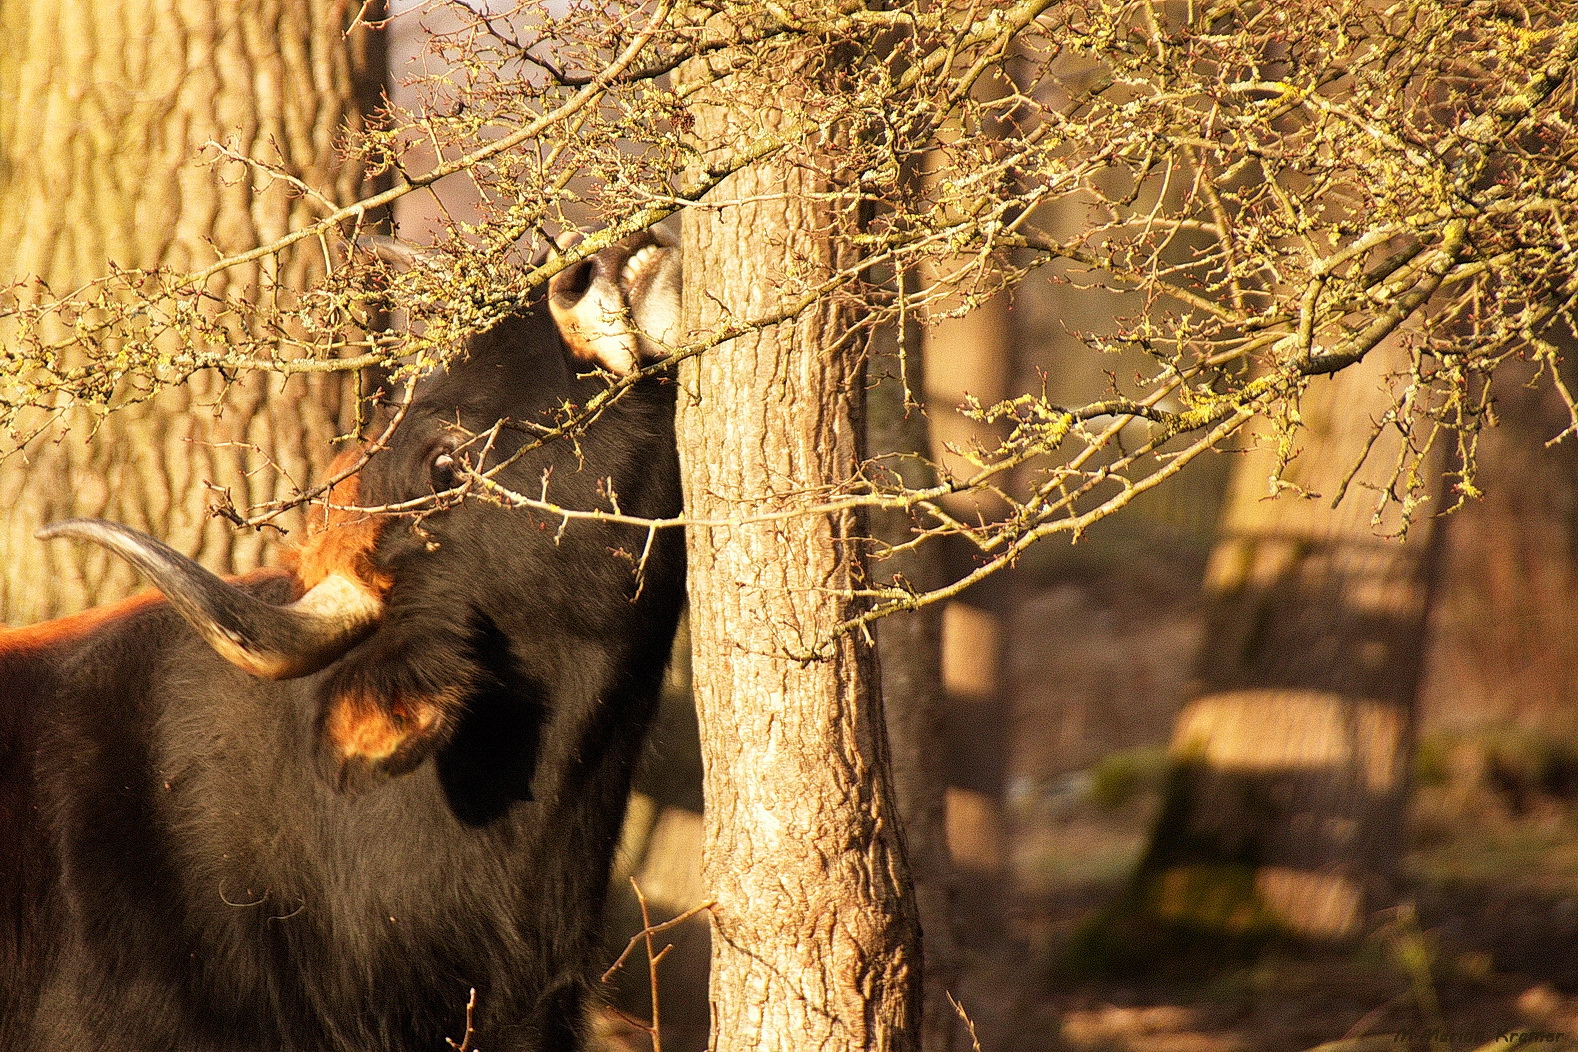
{"x": 104, "y": 110}
{"x": 1286, "y": 809}
{"x": 910, "y": 647}
{"x": 815, "y": 939}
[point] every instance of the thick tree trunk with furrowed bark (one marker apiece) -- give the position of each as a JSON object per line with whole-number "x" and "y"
{"x": 105, "y": 107}
{"x": 815, "y": 940}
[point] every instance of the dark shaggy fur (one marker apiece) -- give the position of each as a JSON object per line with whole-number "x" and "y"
{"x": 190, "y": 865}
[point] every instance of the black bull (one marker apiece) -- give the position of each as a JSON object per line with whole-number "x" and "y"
{"x": 370, "y": 783}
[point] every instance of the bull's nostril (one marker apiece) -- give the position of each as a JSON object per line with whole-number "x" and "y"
{"x": 573, "y": 285}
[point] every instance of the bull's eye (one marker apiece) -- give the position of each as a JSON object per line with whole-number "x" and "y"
{"x": 443, "y": 470}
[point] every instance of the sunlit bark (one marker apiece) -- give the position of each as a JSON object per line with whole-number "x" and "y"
{"x": 815, "y": 940}
{"x": 105, "y": 110}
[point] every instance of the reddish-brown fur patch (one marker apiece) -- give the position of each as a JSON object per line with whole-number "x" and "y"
{"x": 375, "y": 730}
{"x": 342, "y": 539}
{"x": 69, "y": 630}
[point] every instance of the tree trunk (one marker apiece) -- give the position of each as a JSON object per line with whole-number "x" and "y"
{"x": 910, "y": 647}
{"x": 815, "y": 940}
{"x": 104, "y": 110}
{"x": 972, "y": 355}
{"x": 1286, "y": 809}
{"x": 1505, "y": 654}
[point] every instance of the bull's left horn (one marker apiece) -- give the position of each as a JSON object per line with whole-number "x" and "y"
{"x": 274, "y": 642}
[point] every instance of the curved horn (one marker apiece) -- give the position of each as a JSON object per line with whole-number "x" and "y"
{"x": 274, "y": 642}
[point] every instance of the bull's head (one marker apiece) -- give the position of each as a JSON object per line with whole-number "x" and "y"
{"x": 387, "y": 705}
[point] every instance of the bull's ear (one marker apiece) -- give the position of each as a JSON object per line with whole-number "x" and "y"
{"x": 619, "y": 308}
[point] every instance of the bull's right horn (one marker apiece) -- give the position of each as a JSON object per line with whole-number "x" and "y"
{"x": 274, "y": 642}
